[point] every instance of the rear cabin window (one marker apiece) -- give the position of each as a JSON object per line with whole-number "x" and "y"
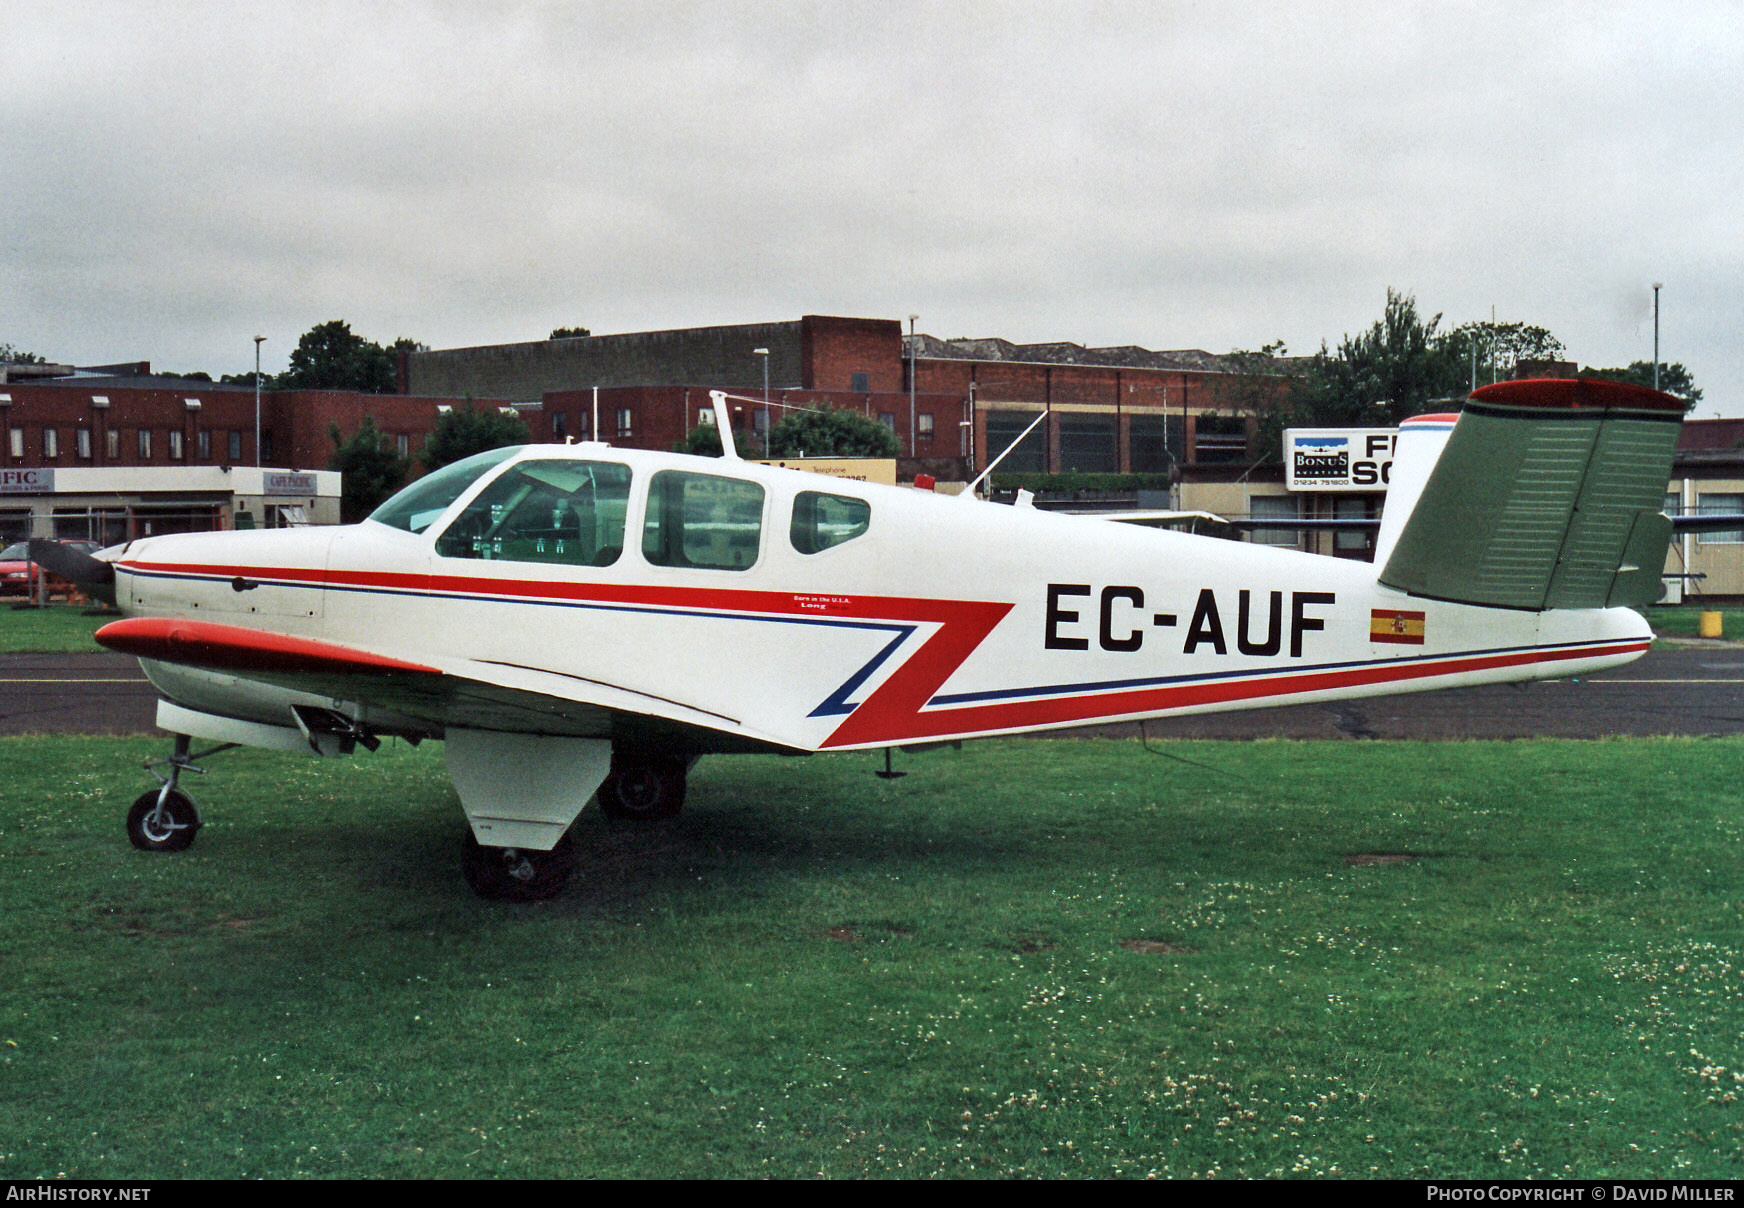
{"x": 820, "y": 520}
{"x": 568, "y": 512}
{"x": 700, "y": 520}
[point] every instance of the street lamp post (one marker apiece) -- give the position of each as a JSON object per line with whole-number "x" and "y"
{"x": 912, "y": 319}
{"x": 1656, "y": 286}
{"x": 257, "y": 343}
{"x": 764, "y": 353}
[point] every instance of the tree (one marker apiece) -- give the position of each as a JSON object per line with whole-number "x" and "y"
{"x": 570, "y": 333}
{"x": 820, "y": 433}
{"x": 1496, "y": 349}
{"x": 330, "y": 357}
{"x": 17, "y": 356}
{"x": 1674, "y": 379}
{"x": 1384, "y": 375}
{"x": 832, "y": 433}
{"x": 369, "y": 471}
{"x": 467, "y": 430}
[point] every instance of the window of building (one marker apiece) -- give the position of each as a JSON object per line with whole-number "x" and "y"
{"x": 569, "y": 512}
{"x": 266, "y": 446}
{"x": 403, "y": 444}
{"x": 1355, "y": 543}
{"x": 175, "y": 444}
{"x": 1089, "y": 443}
{"x": 888, "y": 419}
{"x": 923, "y": 425}
{"x": 700, "y": 520}
{"x": 626, "y": 421}
{"x": 1720, "y": 503}
{"x": 203, "y": 445}
{"x": 559, "y": 426}
{"x": 860, "y": 383}
{"x": 1219, "y": 439}
{"x": 1274, "y": 507}
{"x": 235, "y": 447}
{"x": 82, "y": 443}
{"x": 15, "y": 442}
{"x": 1004, "y": 427}
{"x": 112, "y": 443}
{"x": 1154, "y": 443}
{"x": 51, "y": 442}
{"x": 820, "y": 520}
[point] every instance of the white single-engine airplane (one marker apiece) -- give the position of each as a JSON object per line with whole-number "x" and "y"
{"x": 580, "y": 619}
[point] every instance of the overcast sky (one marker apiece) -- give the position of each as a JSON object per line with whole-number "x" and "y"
{"x": 181, "y": 177}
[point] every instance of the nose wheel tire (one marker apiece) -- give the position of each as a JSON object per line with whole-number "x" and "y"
{"x": 169, "y": 828}
{"x": 516, "y": 874}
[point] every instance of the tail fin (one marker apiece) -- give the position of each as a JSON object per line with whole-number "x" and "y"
{"x": 1547, "y": 495}
{"x": 1418, "y": 448}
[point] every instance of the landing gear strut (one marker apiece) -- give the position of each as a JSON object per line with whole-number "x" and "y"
{"x": 165, "y": 818}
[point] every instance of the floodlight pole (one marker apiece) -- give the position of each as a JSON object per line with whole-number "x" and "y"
{"x": 912, "y": 319}
{"x": 1656, "y": 286}
{"x": 257, "y": 343}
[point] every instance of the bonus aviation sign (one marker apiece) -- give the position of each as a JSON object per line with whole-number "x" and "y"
{"x": 1338, "y": 459}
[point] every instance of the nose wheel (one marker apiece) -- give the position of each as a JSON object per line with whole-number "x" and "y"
{"x": 162, "y": 820}
{"x": 165, "y": 818}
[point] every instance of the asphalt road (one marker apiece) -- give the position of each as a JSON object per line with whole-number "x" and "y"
{"x": 1683, "y": 689}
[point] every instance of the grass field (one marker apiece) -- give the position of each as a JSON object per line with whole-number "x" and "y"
{"x": 1487, "y": 960}
{"x": 56, "y": 629}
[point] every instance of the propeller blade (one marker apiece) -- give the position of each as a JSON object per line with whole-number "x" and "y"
{"x": 93, "y": 574}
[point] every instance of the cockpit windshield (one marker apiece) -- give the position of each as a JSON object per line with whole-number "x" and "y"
{"x": 416, "y": 507}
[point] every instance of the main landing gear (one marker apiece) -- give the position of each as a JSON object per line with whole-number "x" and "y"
{"x": 638, "y": 788}
{"x": 165, "y": 818}
{"x": 514, "y": 874}
{"x": 643, "y": 788}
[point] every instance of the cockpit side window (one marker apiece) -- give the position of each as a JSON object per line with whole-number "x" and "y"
{"x": 820, "y": 520}
{"x": 569, "y": 512}
{"x": 700, "y": 520}
{"x": 417, "y": 506}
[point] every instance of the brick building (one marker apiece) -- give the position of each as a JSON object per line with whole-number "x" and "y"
{"x": 1108, "y": 409}
{"x": 952, "y": 404}
{"x": 119, "y": 452}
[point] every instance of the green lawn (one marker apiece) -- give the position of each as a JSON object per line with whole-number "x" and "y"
{"x": 1684, "y": 621}
{"x": 55, "y": 629}
{"x": 1482, "y": 960}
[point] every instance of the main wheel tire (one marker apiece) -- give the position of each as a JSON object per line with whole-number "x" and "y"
{"x": 516, "y": 874}
{"x": 174, "y": 830}
{"x": 643, "y": 789}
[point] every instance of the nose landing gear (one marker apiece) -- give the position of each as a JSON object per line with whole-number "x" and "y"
{"x": 165, "y": 818}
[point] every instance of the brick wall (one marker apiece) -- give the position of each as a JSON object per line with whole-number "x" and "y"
{"x": 714, "y": 356}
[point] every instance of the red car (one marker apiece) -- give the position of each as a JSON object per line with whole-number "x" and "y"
{"x": 18, "y": 574}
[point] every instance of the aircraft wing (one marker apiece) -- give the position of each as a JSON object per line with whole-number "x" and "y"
{"x": 472, "y": 693}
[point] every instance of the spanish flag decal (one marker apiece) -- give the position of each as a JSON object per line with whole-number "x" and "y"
{"x": 1392, "y": 625}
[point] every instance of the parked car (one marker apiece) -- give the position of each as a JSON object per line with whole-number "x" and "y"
{"x": 18, "y": 574}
